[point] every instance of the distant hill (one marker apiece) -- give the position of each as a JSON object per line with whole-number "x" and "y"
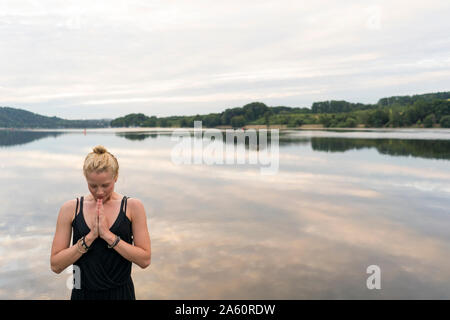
{"x": 19, "y": 118}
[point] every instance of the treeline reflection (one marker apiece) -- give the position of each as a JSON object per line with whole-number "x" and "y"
{"x": 137, "y": 136}
{"x": 9, "y": 138}
{"x": 432, "y": 149}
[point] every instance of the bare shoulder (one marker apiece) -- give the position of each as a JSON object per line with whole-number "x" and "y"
{"x": 136, "y": 206}
{"x": 135, "y": 203}
{"x": 67, "y": 210}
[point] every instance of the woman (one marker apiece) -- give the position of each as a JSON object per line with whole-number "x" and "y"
{"x": 109, "y": 233}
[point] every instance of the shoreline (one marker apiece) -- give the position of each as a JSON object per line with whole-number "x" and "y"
{"x": 281, "y": 128}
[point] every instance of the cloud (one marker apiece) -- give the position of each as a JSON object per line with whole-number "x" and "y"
{"x": 190, "y": 57}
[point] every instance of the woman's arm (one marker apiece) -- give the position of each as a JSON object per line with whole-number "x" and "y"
{"x": 140, "y": 252}
{"x": 62, "y": 254}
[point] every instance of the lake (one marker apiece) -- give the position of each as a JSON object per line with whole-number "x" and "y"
{"x": 340, "y": 201}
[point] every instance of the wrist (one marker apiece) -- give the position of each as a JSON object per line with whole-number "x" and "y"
{"x": 109, "y": 237}
{"x": 89, "y": 238}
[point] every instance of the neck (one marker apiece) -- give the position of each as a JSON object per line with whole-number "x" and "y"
{"x": 105, "y": 200}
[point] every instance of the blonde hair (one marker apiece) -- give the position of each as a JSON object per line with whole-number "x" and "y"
{"x": 100, "y": 160}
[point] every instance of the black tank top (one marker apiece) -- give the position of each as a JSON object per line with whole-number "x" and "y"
{"x": 104, "y": 273}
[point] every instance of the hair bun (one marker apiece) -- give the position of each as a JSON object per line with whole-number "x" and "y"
{"x": 100, "y": 150}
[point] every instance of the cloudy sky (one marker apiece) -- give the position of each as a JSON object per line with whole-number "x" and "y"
{"x": 107, "y": 58}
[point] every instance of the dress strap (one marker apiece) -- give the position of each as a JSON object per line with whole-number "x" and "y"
{"x": 122, "y": 204}
{"x": 76, "y": 209}
{"x": 126, "y": 201}
{"x": 81, "y": 204}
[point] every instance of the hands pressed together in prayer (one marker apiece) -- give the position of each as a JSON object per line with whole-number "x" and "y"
{"x": 100, "y": 225}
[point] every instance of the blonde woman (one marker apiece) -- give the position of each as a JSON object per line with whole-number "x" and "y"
{"x": 109, "y": 234}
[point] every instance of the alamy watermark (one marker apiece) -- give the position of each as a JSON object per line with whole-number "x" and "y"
{"x": 374, "y": 17}
{"x": 208, "y": 147}
{"x": 374, "y": 280}
{"x": 73, "y": 281}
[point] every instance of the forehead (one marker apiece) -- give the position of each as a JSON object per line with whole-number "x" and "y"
{"x": 99, "y": 177}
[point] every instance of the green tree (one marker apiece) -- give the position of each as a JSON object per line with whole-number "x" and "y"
{"x": 184, "y": 123}
{"x": 429, "y": 121}
{"x": 411, "y": 116}
{"x": 267, "y": 115}
{"x": 445, "y": 122}
{"x": 350, "y": 123}
{"x": 377, "y": 118}
{"x": 254, "y": 110}
{"x": 325, "y": 119}
{"x": 238, "y": 121}
{"x": 284, "y": 119}
{"x": 150, "y": 122}
{"x": 396, "y": 119}
{"x": 294, "y": 122}
{"x": 163, "y": 122}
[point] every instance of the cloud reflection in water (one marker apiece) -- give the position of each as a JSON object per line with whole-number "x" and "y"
{"x": 225, "y": 232}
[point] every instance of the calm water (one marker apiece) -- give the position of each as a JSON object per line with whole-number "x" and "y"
{"x": 340, "y": 202}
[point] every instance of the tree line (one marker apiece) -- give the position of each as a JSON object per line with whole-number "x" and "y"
{"x": 428, "y": 110}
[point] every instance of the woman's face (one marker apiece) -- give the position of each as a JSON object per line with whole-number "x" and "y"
{"x": 101, "y": 185}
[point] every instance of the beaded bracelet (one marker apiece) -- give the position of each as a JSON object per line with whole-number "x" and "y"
{"x": 78, "y": 247}
{"x": 114, "y": 243}
{"x": 83, "y": 242}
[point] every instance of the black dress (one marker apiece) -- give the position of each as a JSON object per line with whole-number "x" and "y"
{"x": 104, "y": 274}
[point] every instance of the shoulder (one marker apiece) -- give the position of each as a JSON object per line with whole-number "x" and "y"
{"x": 136, "y": 206}
{"x": 68, "y": 209}
{"x": 135, "y": 203}
{"x": 69, "y": 204}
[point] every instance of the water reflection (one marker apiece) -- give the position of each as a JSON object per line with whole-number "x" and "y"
{"x": 17, "y": 137}
{"x": 137, "y": 136}
{"x": 432, "y": 149}
{"x": 227, "y": 232}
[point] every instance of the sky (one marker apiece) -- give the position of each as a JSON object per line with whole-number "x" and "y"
{"x": 105, "y": 59}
